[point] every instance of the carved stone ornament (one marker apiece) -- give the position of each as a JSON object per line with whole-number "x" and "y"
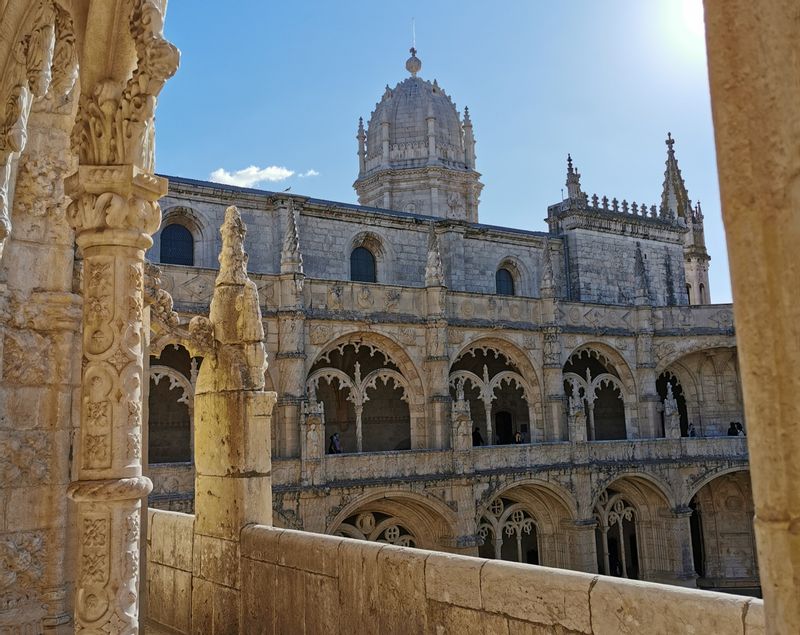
{"x": 43, "y": 68}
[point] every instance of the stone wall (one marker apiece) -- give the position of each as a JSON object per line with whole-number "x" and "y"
{"x": 325, "y": 584}
{"x": 602, "y": 269}
{"x": 328, "y": 584}
{"x": 170, "y": 551}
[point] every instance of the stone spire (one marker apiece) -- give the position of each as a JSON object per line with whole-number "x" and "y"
{"x": 643, "y": 296}
{"x": 573, "y": 181}
{"x": 469, "y": 141}
{"x": 291, "y": 256}
{"x": 675, "y": 201}
{"x": 434, "y": 271}
{"x": 362, "y": 147}
{"x": 547, "y": 285}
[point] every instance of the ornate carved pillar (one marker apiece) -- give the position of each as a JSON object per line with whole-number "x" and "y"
{"x": 682, "y": 556}
{"x": 437, "y": 361}
{"x": 312, "y": 449}
{"x": 114, "y": 212}
{"x": 553, "y": 383}
{"x": 291, "y": 357}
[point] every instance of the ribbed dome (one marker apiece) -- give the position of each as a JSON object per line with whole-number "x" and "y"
{"x": 407, "y": 109}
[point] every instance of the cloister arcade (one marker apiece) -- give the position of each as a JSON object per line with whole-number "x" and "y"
{"x": 706, "y": 385}
{"x": 633, "y": 524}
{"x": 503, "y": 398}
{"x": 367, "y": 398}
{"x": 600, "y": 382}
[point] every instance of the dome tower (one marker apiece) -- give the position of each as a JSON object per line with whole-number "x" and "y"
{"x": 417, "y": 154}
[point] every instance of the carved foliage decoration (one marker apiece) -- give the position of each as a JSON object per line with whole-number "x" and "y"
{"x": 43, "y": 67}
{"x": 115, "y": 122}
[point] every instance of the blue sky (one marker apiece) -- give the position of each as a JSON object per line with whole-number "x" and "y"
{"x": 278, "y": 88}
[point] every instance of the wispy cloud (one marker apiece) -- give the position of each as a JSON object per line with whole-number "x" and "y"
{"x": 311, "y": 172}
{"x": 251, "y": 175}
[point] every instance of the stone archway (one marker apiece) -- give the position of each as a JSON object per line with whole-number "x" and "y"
{"x": 528, "y": 522}
{"x": 601, "y": 394}
{"x": 634, "y": 534}
{"x": 371, "y": 392}
{"x": 502, "y": 389}
{"x": 723, "y": 539}
{"x": 400, "y": 518}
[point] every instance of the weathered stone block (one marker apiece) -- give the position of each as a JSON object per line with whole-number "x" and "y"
{"x": 627, "y": 606}
{"x": 316, "y": 553}
{"x": 454, "y": 580}
{"x": 446, "y": 618}
{"x": 359, "y": 595}
{"x": 401, "y": 588}
{"x": 542, "y": 595}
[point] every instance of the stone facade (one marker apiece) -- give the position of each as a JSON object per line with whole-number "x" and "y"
{"x": 76, "y": 565}
{"x": 602, "y": 396}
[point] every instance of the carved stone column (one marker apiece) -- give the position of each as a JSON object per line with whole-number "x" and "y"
{"x": 233, "y": 413}
{"x": 753, "y": 50}
{"x": 312, "y": 449}
{"x": 114, "y": 212}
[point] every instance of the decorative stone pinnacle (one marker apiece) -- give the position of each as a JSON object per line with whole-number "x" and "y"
{"x": 434, "y": 271}
{"x": 232, "y": 257}
{"x": 291, "y": 256}
{"x": 413, "y": 63}
{"x": 670, "y": 141}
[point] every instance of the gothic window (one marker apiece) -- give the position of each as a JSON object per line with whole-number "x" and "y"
{"x": 177, "y": 245}
{"x": 377, "y": 527}
{"x": 702, "y": 299}
{"x": 365, "y": 398}
{"x": 615, "y": 534}
{"x": 594, "y": 390}
{"x": 689, "y": 293}
{"x": 508, "y": 532}
{"x": 500, "y": 398}
{"x": 505, "y": 282}
{"x": 362, "y": 265}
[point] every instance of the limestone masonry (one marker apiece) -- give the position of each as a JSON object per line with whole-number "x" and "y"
{"x": 562, "y": 398}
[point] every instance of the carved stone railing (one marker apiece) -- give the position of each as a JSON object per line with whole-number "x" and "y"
{"x": 375, "y": 466}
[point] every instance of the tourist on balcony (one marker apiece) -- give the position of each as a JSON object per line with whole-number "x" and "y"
{"x": 692, "y": 432}
{"x": 335, "y": 447}
{"x": 477, "y": 439}
{"x": 518, "y": 437}
{"x": 732, "y": 430}
{"x": 740, "y": 429}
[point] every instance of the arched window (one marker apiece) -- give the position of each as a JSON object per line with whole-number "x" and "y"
{"x": 362, "y": 265}
{"x": 504, "y": 281}
{"x": 689, "y": 293}
{"x": 177, "y": 245}
{"x": 702, "y": 299}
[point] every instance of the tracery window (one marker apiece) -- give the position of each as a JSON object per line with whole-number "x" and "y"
{"x": 593, "y": 387}
{"x": 377, "y": 527}
{"x": 501, "y": 399}
{"x": 508, "y": 532}
{"x": 362, "y": 265}
{"x": 617, "y": 548}
{"x": 177, "y": 245}
{"x": 504, "y": 282}
{"x": 365, "y": 396}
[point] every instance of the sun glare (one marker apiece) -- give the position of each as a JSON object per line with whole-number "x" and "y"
{"x": 693, "y": 19}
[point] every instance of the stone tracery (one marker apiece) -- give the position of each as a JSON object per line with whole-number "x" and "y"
{"x": 356, "y": 401}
